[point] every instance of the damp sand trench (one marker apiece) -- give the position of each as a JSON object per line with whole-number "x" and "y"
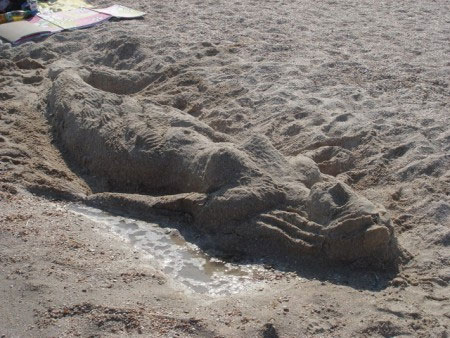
{"x": 180, "y": 260}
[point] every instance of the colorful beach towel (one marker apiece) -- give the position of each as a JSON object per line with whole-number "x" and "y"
{"x": 20, "y": 31}
{"x": 44, "y": 24}
{"x": 76, "y": 18}
{"x": 53, "y": 22}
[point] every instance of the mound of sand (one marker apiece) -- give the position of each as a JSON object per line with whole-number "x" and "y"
{"x": 246, "y": 194}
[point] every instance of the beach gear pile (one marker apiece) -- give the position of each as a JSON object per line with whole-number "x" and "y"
{"x": 33, "y": 21}
{"x": 15, "y": 10}
{"x": 7, "y": 6}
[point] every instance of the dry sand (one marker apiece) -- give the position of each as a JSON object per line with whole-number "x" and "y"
{"x": 356, "y": 89}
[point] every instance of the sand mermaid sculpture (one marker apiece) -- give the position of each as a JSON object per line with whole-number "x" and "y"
{"x": 245, "y": 194}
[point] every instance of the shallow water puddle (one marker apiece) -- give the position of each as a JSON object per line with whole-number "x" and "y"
{"x": 180, "y": 260}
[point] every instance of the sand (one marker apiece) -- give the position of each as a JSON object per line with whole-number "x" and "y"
{"x": 276, "y": 130}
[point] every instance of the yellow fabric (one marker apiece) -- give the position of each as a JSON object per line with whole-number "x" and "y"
{"x": 61, "y": 5}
